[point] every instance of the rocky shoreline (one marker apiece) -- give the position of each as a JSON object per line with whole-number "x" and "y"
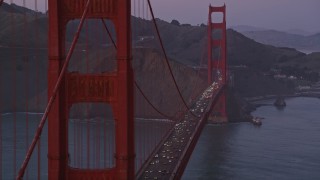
{"x": 252, "y": 103}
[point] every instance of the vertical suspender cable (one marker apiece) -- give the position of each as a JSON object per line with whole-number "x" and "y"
{"x": 74, "y": 159}
{"x": 134, "y": 7}
{"x": 14, "y": 91}
{"x": 147, "y": 12}
{"x": 105, "y": 110}
{"x": 87, "y": 107}
{"x": 39, "y": 158}
{"x": 143, "y": 19}
{"x": 45, "y": 6}
{"x": 26, "y": 61}
{"x": 218, "y": 68}
{"x": 1, "y": 121}
{"x": 1, "y": 86}
{"x": 105, "y": 115}
{"x": 98, "y": 144}
{"x": 80, "y": 145}
{"x": 109, "y": 33}
{"x": 100, "y": 41}
{"x": 193, "y": 92}
{"x": 166, "y": 58}
{"x": 96, "y": 122}
{"x": 136, "y": 84}
{"x": 142, "y": 9}
{"x": 105, "y": 120}
{"x": 110, "y": 161}
{"x": 37, "y": 83}
{"x": 148, "y": 101}
{"x": 78, "y": 125}
{"x": 54, "y": 94}
{"x": 105, "y": 140}
{"x": 97, "y": 125}
{"x": 139, "y": 8}
{"x": 78, "y": 139}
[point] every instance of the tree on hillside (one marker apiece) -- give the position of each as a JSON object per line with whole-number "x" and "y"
{"x": 175, "y": 22}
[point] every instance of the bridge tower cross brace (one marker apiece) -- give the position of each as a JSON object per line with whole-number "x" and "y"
{"x": 218, "y": 62}
{"x": 119, "y": 93}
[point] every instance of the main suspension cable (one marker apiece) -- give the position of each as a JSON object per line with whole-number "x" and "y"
{"x": 145, "y": 97}
{"x": 135, "y": 82}
{"x": 167, "y": 61}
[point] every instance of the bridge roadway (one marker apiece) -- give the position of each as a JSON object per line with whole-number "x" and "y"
{"x": 171, "y": 154}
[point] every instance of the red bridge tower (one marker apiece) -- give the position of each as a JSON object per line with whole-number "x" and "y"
{"x": 117, "y": 89}
{"x": 217, "y": 60}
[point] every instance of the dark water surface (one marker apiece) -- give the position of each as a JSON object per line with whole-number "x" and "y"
{"x": 286, "y": 146}
{"x": 91, "y": 143}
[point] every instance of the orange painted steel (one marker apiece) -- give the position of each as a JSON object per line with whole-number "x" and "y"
{"x": 220, "y": 64}
{"x": 114, "y": 88}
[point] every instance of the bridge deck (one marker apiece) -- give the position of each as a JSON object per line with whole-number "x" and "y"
{"x": 164, "y": 163}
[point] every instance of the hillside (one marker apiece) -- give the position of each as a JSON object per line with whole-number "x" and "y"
{"x": 20, "y": 29}
{"x": 153, "y": 77}
{"x": 185, "y": 45}
{"x": 310, "y": 62}
{"x": 188, "y": 44}
{"x": 310, "y": 43}
{"x": 248, "y": 28}
{"x": 150, "y": 73}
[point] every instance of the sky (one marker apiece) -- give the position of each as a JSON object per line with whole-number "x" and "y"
{"x": 271, "y": 14}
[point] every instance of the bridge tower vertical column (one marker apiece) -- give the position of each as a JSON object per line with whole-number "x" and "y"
{"x": 114, "y": 88}
{"x": 217, "y": 59}
{"x": 57, "y": 118}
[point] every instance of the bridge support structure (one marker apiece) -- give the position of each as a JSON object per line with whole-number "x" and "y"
{"x": 217, "y": 60}
{"x": 114, "y": 88}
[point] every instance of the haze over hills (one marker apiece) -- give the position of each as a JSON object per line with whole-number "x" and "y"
{"x": 245, "y": 28}
{"x": 296, "y": 31}
{"x": 281, "y": 39}
{"x": 300, "y": 32}
{"x": 299, "y": 39}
